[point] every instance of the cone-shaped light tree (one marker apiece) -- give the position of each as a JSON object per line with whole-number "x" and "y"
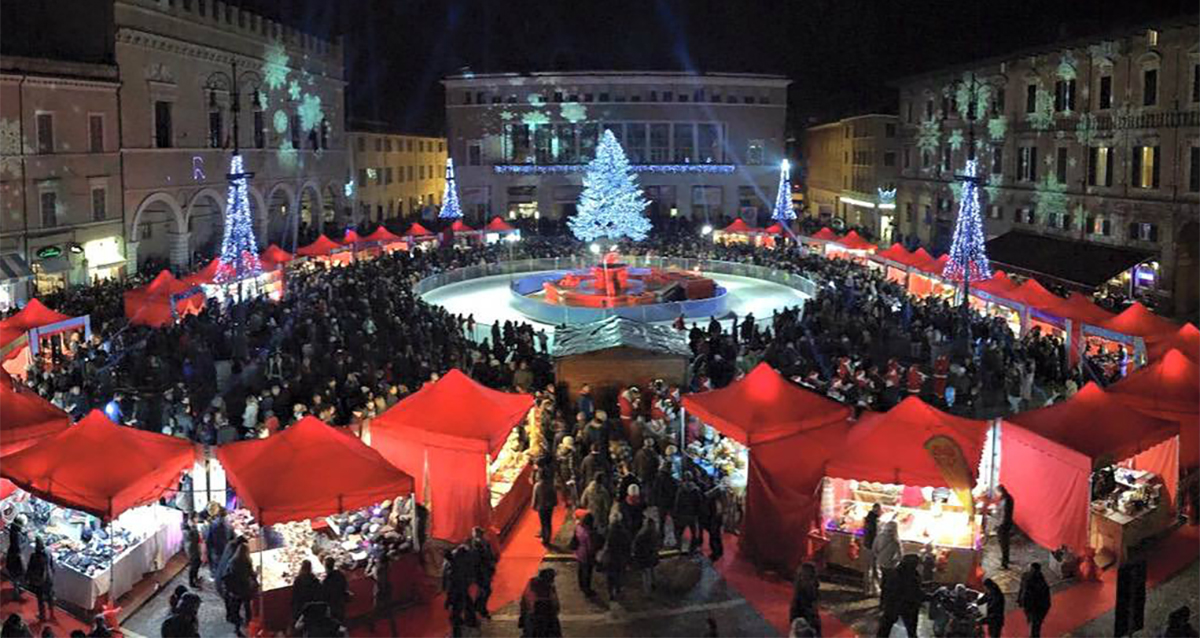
{"x": 239, "y": 249}
{"x": 968, "y": 259}
{"x": 611, "y": 204}
{"x": 451, "y": 209}
{"x": 783, "y": 212}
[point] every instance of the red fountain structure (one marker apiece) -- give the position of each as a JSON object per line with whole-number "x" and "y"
{"x": 614, "y": 284}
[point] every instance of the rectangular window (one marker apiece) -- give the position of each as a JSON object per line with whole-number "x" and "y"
{"x": 754, "y": 153}
{"x": 45, "y": 133}
{"x": 99, "y": 204}
{"x": 362, "y": 144}
{"x": 995, "y": 212}
{"x": 1030, "y": 98}
{"x": 684, "y": 136}
{"x": 589, "y": 136}
{"x": 660, "y": 142}
{"x": 1064, "y": 95}
{"x": 908, "y": 112}
{"x": 49, "y": 208}
{"x": 635, "y": 142}
{"x": 1145, "y": 162}
{"x": 889, "y": 158}
{"x": 889, "y": 130}
{"x": 563, "y": 144}
{"x": 474, "y": 153}
{"x": 929, "y": 109}
{"x": 1194, "y": 170}
{"x": 362, "y": 175}
{"x": 1143, "y": 231}
{"x": 409, "y": 173}
{"x": 1105, "y": 98}
{"x": 603, "y": 97}
{"x": 260, "y": 130}
{"x": 653, "y": 96}
{"x": 924, "y": 159}
{"x": 96, "y": 133}
{"x": 542, "y": 136}
{"x": 163, "y": 133}
{"x": 1053, "y": 220}
{"x": 378, "y": 144}
{"x": 946, "y": 157}
{"x": 907, "y": 158}
{"x": 387, "y": 175}
{"x": 998, "y": 103}
{"x": 387, "y": 145}
{"x": 1027, "y": 164}
{"x": 214, "y": 129}
{"x": 1060, "y": 165}
{"x": 709, "y": 143}
{"x": 1100, "y": 166}
{"x": 294, "y": 128}
{"x": 1149, "y": 87}
{"x": 1196, "y": 82}
{"x": 997, "y": 160}
{"x": 410, "y": 146}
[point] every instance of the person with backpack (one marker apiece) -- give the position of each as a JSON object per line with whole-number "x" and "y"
{"x": 39, "y": 577}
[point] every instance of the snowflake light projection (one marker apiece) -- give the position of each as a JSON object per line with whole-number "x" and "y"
{"x": 535, "y": 118}
{"x": 1043, "y": 109}
{"x": 280, "y": 121}
{"x": 1085, "y": 129}
{"x": 997, "y": 127}
{"x": 964, "y": 91}
{"x": 955, "y": 140}
{"x": 929, "y": 135}
{"x": 310, "y": 112}
{"x": 294, "y": 90}
{"x": 573, "y": 112}
{"x": 275, "y": 66}
{"x": 1050, "y": 196}
{"x": 1067, "y": 67}
{"x": 12, "y": 146}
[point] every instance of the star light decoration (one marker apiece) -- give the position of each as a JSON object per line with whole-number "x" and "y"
{"x": 968, "y": 258}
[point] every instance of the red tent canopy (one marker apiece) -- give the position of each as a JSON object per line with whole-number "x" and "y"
{"x": 205, "y": 275}
{"x": 1169, "y": 388}
{"x": 854, "y": 241}
{"x": 498, "y": 225}
{"x": 1047, "y": 457}
{"x": 99, "y": 467}
{"x": 1186, "y": 340}
{"x": 151, "y": 304}
{"x": 274, "y": 256}
{"x": 382, "y": 235}
{"x": 459, "y": 226}
{"x": 922, "y": 260}
{"x": 889, "y": 447}
{"x": 442, "y": 435}
{"x": 739, "y": 226}
{"x": 1079, "y": 309}
{"x": 825, "y": 234}
{"x": 417, "y": 230}
{"x": 774, "y": 229}
{"x": 26, "y": 417}
{"x": 321, "y": 247}
{"x": 1033, "y": 294}
{"x": 763, "y": 406}
{"x": 35, "y": 314}
{"x": 1138, "y": 321}
{"x": 999, "y": 285}
{"x": 896, "y": 253}
{"x": 351, "y": 237}
{"x": 309, "y": 470}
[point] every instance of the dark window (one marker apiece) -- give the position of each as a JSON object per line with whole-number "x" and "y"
{"x": 466, "y": 97}
{"x": 294, "y": 127}
{"x": 474, "y": 154}
{"x": 1030, "y": 98}
{"x": 946, "y": 158}
{"x": 603, "y": 97}
{"x": 907, "y": 157}
{"x": 997, "y": 160}
{"x": 163, "y": 136}
{"x": 889, "y": 158}
{"x": 1194, "y": 171}
{"x": 1027, "y": 164}
{"x": 96, "y": 133}
{"x": 1064, "y": 95}
{"x": 1060, "y": 165}
{"x": 45, "y": 132}
{"x": 889, "y": 130}
{"x": 1196, "y": 82}
{"x": 654, "y": 96}
{"x": 260, "y": 131}
{"x": 99, "y": 204}
{"x": 1089, "y": 224}
{"x": 908, "y": 212}
{"x": 1105, "y": 93}
{"x": 1149, "y": 87}
{"x": 479, "y": 98}
{"x": 998, "y": 103}
{"x": 929, "y": 109}
{"x": 908, "y": 113}
{"x": 49, "y": 205}
{"x": 214, "y": 129}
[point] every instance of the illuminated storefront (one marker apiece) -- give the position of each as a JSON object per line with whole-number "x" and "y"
{"x": 104, "y": 258}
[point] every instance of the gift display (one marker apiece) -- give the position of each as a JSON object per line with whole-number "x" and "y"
{"x": 507, "y": 466}
{"x": 1127, "y": 507}
{"x": 721, "y": 455}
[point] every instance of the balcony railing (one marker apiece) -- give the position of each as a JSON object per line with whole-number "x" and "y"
{"x": 1118, "y": 122}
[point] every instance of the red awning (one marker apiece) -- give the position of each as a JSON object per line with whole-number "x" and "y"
{"x": 889, "y": 447}
{"x": 205, "y": 275}
{"x": 99, "y": 467}
{"x": 854, "y": 241}
{"x": 1034, "y": 295}
{"x": 896, "y": 253}
{"x": 309, "y": 470}
{"x": 1079, "y": 309}
{"x": 274, "y": 256}
{"x": 459, "y": 226}
{"x": 1169, "y": 388}
{"x": 498, "y": 225}
{"x": 763, "y": 406}
{"x": 417, "y": 230}
{"x": 382, "y": 235}
{"x": 825, "y": 234}
{"x": 739, "y": 226}
{"x": 35, "y": 314}
{"x": 923, "y": 261}
{"x": 26, "y": 417}
{"x": 1138, "y": 321}
{"x": 151, "y": 305}
{"x": 999, "y": 285}
{"x": 1186, "y": 340}
{"x": 774, "y": 229}
{"x": 321, "y": 247}
{"x": 351, "y": 237}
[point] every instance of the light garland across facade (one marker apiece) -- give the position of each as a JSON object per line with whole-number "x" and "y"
{"x": 565, "y": 169}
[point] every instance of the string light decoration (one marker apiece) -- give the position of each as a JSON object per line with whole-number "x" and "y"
{"x": 783, "y": 199}
{"x": 451, "y": 209}
{"x": 239, "y": 248}
{"x": 564, "y": 169}
{"x": 968, "y": 257}
{"x": 611, "y": 203}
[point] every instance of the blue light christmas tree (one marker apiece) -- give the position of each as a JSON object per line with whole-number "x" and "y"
{"x": 968, "y": 258}
{"x": 611, "y": 203}
{"x": 239, "y": 249}
{"x": 783, "y": 199}
{"x": 451, "y": 209}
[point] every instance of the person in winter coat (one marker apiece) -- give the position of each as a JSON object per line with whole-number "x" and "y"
{"x": 870, "y": 533}
{"x": 379, "y": 570}
{"x": 887, "y": 548}
{"x": 714, "y": 521}
{"x": 215, "y": 540}
{"x": 902, "y": 597}
{"x": 184, "y": 621}
{"x": 545, "y": 498}
{"x": 335, "y": 590}
{"x": 597, "y": 501}
{"x": 595, "y": 463}
{"x": 306, "y": 588}
{"x": 615, "y": 554}
{"x": 14, "y": 561}
{"x": 240, "y": 587}
{"x": 539, "y": 607}
{"x": 1034, "y": 598}
{"x": 645, "y": 552}
{"x": 457, "y": 585}
{"x": 1004, "y": 530}
{"x": 584, "y": 545}
{"x": 195, "y": 554}
{"x": 806, "y": 594}
{"x": 686, "y": 511}
{"x": 645, "y": 462}
{"x": 632, "y": 508}
{"x": 994, "y": 599}
{"x": 485, "y": 560}
{"x": 39, "y": 577}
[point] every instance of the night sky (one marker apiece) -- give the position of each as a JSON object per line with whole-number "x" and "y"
{"x": 840, "y": 54}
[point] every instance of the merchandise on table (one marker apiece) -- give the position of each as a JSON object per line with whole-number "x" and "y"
{"x": 1127, "y": 508}
{"x": 719, "y": 453}
{"x": 507, "y": 466}
{"x": 924, "y": 515}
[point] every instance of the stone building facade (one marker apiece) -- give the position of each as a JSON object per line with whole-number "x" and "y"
{"x": 852, "y": 167}
{"x": 396, "y": 175}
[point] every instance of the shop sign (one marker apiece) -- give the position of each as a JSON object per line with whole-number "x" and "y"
{"x": 49, "y": 252}
{"x": 952, "y": 463}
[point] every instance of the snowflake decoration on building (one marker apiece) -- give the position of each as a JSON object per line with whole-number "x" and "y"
{"x": 962, "y": 96}
{"x": 1067, "y": 67}
{"x": 12, "y": 146}
{"x": 535, "y": 100}
{"x": 287, "y": 155}
{"x": 573, "y": 112}
{"x": 310, "y": 112}
{"x": 1049, "y": 196}
{"x": 275, "y": 66}
{"x": 929, "y": 135}
{"x": 280, "y": 121}
{"x": 997, "y": 127}
{"x": 955, "y": 140}
{"x": 535, "y": 118}
{"x": 507, "y": 115}
{"x": 293, "y": 90}
{"x": 1042, "y": 117}
{"x": 1085, "y": 129}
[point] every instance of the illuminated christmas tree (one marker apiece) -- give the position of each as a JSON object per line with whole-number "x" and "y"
{"x": 783, "y": 198}
{"x": 451, "y": 209}
{"x": 968, "y": 258}
{"x": 611, "y": 203}
{"x": 239, "y": 248}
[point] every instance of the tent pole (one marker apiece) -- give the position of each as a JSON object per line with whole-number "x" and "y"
{"x": 262, "y": 544}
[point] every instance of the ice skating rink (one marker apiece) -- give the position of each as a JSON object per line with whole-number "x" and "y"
{"x": 490, "y": 299}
